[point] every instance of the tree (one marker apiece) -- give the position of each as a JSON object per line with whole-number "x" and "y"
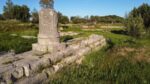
{"x": 21, "y": 13}
{"x": 144, "y": 12}
{"x": 8, "y": 14}
{"x": 47, "y": 3}
{"x": 35, "y": 16}
{"x": 94, "y": 19}
{"x": 134, "y": 26}
{"x": 24, "y": 13}
{"x": 17, "y": 12}
{"x": 62, "y": 19}
{"x": 77, "y": 20}
{"x": 1, "y": 17}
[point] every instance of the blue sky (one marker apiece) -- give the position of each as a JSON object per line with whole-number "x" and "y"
{"x": 86, "y": 7}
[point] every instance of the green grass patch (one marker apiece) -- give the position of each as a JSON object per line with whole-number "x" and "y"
{"x": 105, "y": 66}
{"x": 8, "y": 42}
{"x": 123, "y": 61}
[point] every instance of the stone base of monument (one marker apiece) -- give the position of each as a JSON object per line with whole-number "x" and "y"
{"x": 47, "y": 45}
{"x": 39, "y": 49}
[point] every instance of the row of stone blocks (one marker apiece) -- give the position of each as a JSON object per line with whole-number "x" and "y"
{"x": 33, "y": 72}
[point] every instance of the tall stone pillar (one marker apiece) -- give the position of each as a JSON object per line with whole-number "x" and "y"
{"x": 48, "y": 37}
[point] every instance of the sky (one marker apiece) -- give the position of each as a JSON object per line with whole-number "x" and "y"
{"x": 85, "y": 7}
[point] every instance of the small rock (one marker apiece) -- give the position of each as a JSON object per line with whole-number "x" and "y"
{"x": 26, "y": 71}
{"x": 18, "y": 73}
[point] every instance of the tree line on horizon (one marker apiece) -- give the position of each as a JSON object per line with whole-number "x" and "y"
{"x": 22, "y": 13}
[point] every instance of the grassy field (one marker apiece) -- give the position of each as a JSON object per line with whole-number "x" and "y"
{"x": 125, "y": 60}
{"x": 10, "y": 36}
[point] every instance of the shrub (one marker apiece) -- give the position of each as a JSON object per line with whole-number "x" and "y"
{"x": 1, "y": 17}
{"x": 134, "y": 26}
{"x": 144, "y": 12}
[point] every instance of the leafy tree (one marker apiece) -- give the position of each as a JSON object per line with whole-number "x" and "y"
{"x": 17, "y": 12}
{"x": 47, "y": 3}
{"x": 110, "y": 19}
{"x": 94, "y": 19}
{"x": 62, "y": 19}
{"x": 1, "y": 17}
{"x": 35, "y": 16}
{"x": 134, "y": 26}
{"x": 77, "y": 19}
{"x": 21, "y": 13}
{"x": 98, "y": 19}
{"x": 144, "y": 12}
{"x": 25, "y": 13}
{"x": 8, "y": 14}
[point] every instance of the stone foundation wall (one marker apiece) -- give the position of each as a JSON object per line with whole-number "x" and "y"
{"x": 27, "y": 68}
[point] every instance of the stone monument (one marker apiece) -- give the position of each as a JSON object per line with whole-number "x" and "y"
{"x": 48, "y": 37}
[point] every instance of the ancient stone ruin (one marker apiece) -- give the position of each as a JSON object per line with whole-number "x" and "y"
{"x": 48, "y": 37}
{"x": 48, "y": 55}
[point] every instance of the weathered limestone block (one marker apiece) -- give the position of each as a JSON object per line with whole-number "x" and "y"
{"x": 74, "y": 46}
{"x": 57, "y": 57}
{"x": 45, "y": 62}
{"x": 6, "y": 78}
{"x": 92, "y": 46}
{"x": 26, "y": 71}
{"x": 39, "y": 49}
{"x": 85, "y": 42}
{"x": 83, "y": 51}
{"x": 70, "y": 60}
{"x": 18, "y": 73}
{"x": 79, "y": 61}
{"x": 49, "y": 71}
{"x": 57, "y": 67}
{"x": 68, "y": 52}
{"x": 4, "y": 68}
{"x": 57, "y": 47}
{"x": 97, "y": 43}
{"x": 36, "y": 65}
{"x": 94, "y": 38}
{"x": 21, "y": 63}
{"x": 25, "y": 67}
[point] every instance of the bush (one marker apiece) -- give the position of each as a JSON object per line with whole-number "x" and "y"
{"x": 134, "y": 26}
{"x": 62, "y": 19}
{"x": 1, "y": 17}
{"x": 144, "y": 12}
{"x": 35, "y": 16}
